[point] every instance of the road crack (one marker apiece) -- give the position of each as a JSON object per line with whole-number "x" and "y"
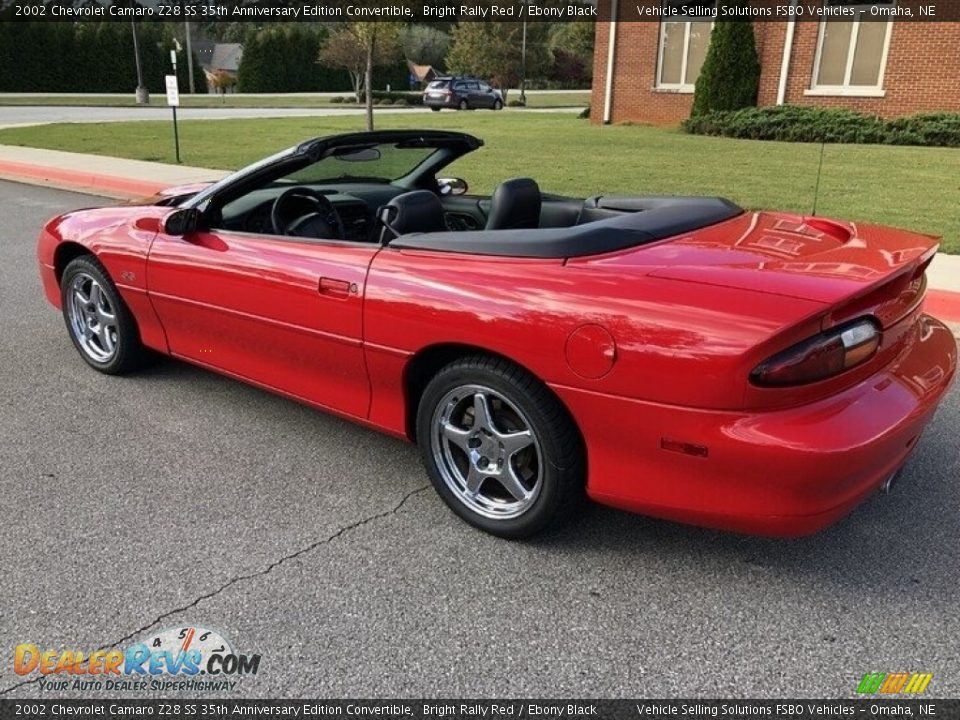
{"x": 340, "y": 532}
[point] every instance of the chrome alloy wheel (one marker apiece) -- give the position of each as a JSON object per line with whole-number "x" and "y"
{"x": 486, "y": 452}
{"x": 93, "y": 320}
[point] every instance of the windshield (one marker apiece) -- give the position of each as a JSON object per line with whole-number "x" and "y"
{"x": 383, "y": 162}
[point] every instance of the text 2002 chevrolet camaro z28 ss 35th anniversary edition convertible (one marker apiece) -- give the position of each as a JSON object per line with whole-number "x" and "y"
{"x": 679, "y": 357}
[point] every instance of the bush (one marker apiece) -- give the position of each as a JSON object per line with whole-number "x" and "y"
{"x": 792, "y": 123}
{"x": 516, "y": 103}
{"x": 337, "y": 99}
{"x": 398, "y": 98}
{"x": 937, "y": 129}
{"x": 585, "y": 113}
{"x": 730, "y": 76}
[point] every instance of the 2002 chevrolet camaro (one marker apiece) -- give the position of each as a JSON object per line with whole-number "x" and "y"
{"x": 680, "y": 357}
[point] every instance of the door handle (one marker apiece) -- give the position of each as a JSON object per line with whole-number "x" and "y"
{"x": 334, "y": 287}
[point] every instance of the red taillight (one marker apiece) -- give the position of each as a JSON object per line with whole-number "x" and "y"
{"x": 820, "y": 357}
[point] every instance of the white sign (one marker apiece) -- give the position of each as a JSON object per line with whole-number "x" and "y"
{"x": 173, "y": 92}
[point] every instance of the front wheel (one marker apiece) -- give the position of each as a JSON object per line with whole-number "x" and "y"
{"x": 499, "y": 447}
{"x": 100, "y": 324}
{"x": 435, "y": 109}
{"x": 464, "y": 105}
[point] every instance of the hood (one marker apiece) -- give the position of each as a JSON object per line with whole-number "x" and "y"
{"x": 172, "y": 195}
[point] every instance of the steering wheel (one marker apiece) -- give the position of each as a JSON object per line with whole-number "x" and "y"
{"x": 323, "y": 221}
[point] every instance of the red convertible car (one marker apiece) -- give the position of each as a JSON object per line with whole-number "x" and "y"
{"x": 754, "y": 371}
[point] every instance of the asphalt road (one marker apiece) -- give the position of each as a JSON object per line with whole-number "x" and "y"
{"x": 38, "y": 114}
{"x": 12, "y": 115}
{"x": 178, "y": 497}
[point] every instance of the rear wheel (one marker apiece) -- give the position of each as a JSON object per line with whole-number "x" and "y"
{"x": 98, "y": 320}
{"x": 464, "y": 105}
{"x": 498, "y": 104}
{"x": 499, "y": 447}
{"x": 435, "y": 109}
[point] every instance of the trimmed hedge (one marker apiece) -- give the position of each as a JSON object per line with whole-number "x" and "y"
{"x": 792, "y": 123}
{"x": 283, "y": 58}
{"x": 88, "y": 57}
{"x": 398, "y": 98}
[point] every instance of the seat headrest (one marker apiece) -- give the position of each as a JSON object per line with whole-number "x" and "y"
{"x": 515, "y": 204}
{"x": 415, "y": 211}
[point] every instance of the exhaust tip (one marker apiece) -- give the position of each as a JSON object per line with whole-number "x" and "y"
{"x": 891, "y": 481}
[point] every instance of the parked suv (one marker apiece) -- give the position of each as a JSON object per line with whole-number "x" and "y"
{"x": 462, "y": 93}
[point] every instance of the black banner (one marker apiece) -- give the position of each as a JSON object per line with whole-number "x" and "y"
{"x": 261, "y": 11}
{"x": 482, "y": 709}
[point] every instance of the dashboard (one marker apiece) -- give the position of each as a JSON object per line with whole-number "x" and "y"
{"x": 355, "y": 203}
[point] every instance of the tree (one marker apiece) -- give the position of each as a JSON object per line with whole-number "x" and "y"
{"x": 251, "y": 75}
{"x": 730, "y": 76}
{"x": 343, "y": 50}
{"x": 222, "y": 81}
{"x": 492, "y": 50}
{"x": 568, "y": 69}
{"x": 359, "y": 47}
{"x": 425, "y": 45}
{"x": 574, "y": 37}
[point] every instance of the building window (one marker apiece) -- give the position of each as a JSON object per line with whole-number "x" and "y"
{"x": 852, "y": 54}
{"x": 683, "y": 46}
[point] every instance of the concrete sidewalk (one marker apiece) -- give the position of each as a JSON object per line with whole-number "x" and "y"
{"x": 113, "y": 177}
{"x": 121, "y": 178}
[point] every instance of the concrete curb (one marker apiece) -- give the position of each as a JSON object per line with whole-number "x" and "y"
{"x": 943, "y": 304}
{"x": 78, "y": 180}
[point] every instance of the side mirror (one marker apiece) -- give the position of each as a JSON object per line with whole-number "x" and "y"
{"x": 181, "y": 222}
{"x": 452, "y": 186}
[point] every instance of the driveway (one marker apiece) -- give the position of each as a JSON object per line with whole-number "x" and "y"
{"x": 178, "y": 497}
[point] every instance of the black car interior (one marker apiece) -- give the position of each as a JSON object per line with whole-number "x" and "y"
{"x": 516, "y": 220}
{"x": 316, "y": 192}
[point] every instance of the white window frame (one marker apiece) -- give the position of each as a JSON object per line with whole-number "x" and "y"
{"x": 846, "y": 89}
{"x": 680, "y": 87}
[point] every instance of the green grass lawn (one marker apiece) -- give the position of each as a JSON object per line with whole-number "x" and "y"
{"x": 912, "y": 187}
{"x": 534, "y": 100}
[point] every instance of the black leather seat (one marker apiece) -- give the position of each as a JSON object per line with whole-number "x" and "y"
{"x": 417, "y": 211}
{"x": 514, "y": 205}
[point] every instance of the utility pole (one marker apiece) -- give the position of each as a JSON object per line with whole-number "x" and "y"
{"x": 193, "y": 88}
{"x": 143, "y": 95}
{"x": 523, "y": 65}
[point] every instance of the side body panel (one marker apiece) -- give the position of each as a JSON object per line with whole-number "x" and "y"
{"x": 285, "y": 314}
{"x": 672, "y": 342}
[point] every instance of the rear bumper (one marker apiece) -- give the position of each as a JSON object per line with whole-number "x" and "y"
{"x": 784, "y": 472}
{"x": 448, "y": 101}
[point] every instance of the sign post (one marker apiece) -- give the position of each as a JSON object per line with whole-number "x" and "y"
{"x": 173, "y": 100}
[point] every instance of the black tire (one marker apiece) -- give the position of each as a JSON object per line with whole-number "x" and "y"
{"x": 497, "y": 105}
{"x": 464, "y": 105}
{"x": 435, "y": 109}
{"x": 128, "y": 353}
{"x": 560, "y": 449}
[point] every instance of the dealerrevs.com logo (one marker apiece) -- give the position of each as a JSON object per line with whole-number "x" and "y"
{"x": 894, "y": 683}
{"x": 185, "y": 658}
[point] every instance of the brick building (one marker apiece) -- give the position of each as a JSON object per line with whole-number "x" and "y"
{"x": 888, "y": 68}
